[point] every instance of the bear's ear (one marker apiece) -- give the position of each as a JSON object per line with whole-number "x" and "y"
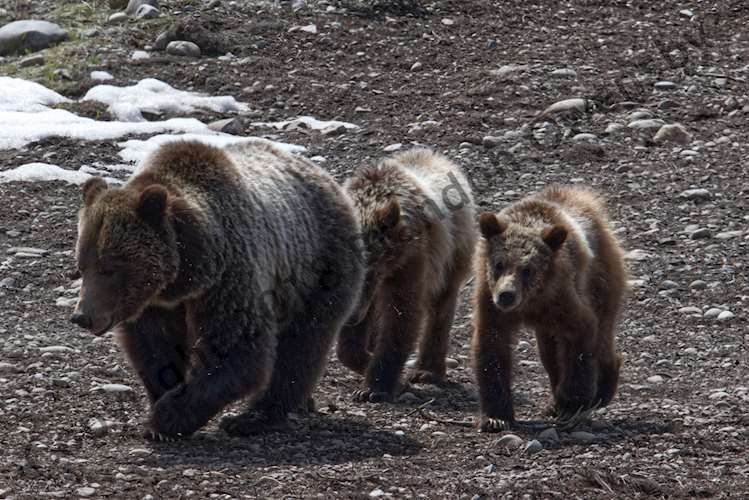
{"x": 92, "y": 188}
{"x": 491, "y": 225}
{"x": 152, "y": 203}
{"x": 389, "y": 216}
{"x": 554, "y": 237}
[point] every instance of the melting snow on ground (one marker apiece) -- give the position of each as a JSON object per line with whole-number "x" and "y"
{"x": 306, "y": 122}
{"x": 154, "y": 96}
{"x": 26, "y": 116}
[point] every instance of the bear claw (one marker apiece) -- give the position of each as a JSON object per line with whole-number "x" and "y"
{"x": 158, "y": 437}
{"x": 494, "y": 425}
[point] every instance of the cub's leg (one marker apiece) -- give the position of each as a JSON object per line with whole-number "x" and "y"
{"x": 576, "y": 356}
{"x": 401, "y": 317}
{"x": 435, "y": 339}
{"x": 156, "y": 345}
{"x": 609, "y": 364}
{"x": 492, "y": 346}
{"x": 547, "y": 350}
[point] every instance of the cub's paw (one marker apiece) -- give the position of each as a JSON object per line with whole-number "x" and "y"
{"x": 370, "y": 396}
{"x": 252, "y": 423}
{"x": 157, "y": 437}
{"x": 425, "y": 377}
{"x": 492, "y": 425}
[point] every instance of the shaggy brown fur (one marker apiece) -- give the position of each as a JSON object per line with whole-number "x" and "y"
{"x": 549, "y": 262}
{"x": 417, "y": 215}
{"x": 226, "y": 274}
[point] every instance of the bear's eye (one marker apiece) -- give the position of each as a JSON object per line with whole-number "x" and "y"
{"x": 526, "y": 273}
{"x": 498, "y": 269}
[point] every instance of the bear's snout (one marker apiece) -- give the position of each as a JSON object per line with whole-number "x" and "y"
{"x": 82, "y": 320}
{"x": 506, "y": 299}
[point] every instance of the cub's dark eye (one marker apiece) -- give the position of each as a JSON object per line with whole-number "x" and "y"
{"x": 526, "y": 273}
{"x": 499, "y": 269}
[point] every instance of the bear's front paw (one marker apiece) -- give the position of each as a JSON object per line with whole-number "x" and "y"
{"x": 170, "y": 418}
{"x": 425, "y": 377}
{"x": 489, "y": 424}
{"x": 371, "y": 396}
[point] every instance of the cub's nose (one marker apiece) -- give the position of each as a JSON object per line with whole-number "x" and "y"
{"x": 506, "y": 298}
{"x": 81, "y": 320}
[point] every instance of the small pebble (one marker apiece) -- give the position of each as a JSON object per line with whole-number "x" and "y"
{"x": 533, "y": 446}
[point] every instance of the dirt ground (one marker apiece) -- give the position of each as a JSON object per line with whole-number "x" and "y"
{"x": 679, "y": 426}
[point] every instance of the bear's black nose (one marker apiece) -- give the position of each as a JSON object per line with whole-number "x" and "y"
{"x": 506, "y": 298}
{"x": 81, "y": 320}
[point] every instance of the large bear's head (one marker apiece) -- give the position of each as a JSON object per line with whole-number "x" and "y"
{"x": 126, "y": 253}
{"x": 518, "y": 259}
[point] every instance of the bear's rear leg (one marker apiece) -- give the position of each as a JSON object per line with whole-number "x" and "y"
{"x": 435, "y": 340}
{"x": 301, "y": 355}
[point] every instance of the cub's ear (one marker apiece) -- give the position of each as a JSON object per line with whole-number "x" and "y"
{"x": 92, "y": 188}
{"x": 491, "y": 225}
{"x": 554, "y": 236}
{"x": 389, "y": 216}
{"x": 152, "y": 204}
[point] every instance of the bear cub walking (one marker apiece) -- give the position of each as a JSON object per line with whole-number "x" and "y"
{"x": 417, "y": 215}
{"x": 552, "y": 263}
{"x": 225, "y": 274}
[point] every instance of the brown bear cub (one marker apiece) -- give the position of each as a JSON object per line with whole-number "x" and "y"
{"x": 417, "y": 215}
{"x": 552, "y": 263}
{"x": 226, "y": 273}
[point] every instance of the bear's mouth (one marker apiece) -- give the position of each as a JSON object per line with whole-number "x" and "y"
{"x": 100, "y": 332}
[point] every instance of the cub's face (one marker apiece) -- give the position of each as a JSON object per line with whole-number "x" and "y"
{"x": 517, "y": 259}
{"x": 385, "y": 234}
{"x": 125, "y": 254}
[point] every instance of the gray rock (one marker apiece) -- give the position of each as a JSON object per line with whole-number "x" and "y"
{"x": 182, "y": 48}
{"x": 228, "y": 126}
{"x": 549, "y": 436}
{"x": 90, "y": 33}
{"x": 584, "y": 137}
{"x": 674, "y": 132}
{"x": 491, "y": 141}
{"x": 56, "y": 349}
{"x": 117, "y": 18}
{"x": 582, "y": 436}
{"x": 510, "y": 441}
{"x": 667, "y": 104}
{"x": 698, "y": 285}
{"x": 713, "y": 312}
{"x": 725, "y": 316}
{"x": 35, "y": 60}
{"x": 613, "y": 128}
{"x": 646, "y": 123}
{"x": 8, "y": 282}
{"x": 508, "y": 69}
{"x": 697, "y": 195}
{"x": 452, "y": 363}
{"x": 729, "y": 235}
{"x": 115, "y": 388}
{"x": 655, "y": 379}
{"x": 564, "y": 73}
{"x": 691, "y": 310}
{"x": 490, "y": 469}
{"x": 163, "y": 40}
{"x": 6, "y": 368}
{"x": 134, "y": 5}
{"x": 668, "y": 285}
{"x": 147, "y": 12}
{"x": 665, "y": 85}
{"x": 701, "y": 234}
{"x": 533, "y": 446}
{"x": 576, "y": 104}
{"x": 98, "y": 427}
{"x": 19, "y": 37}
{"x": 393, "y": 147}
{"x": 86, "y": 491}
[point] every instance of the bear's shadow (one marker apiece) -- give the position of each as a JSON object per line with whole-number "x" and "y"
{"x": 311, "y": 440}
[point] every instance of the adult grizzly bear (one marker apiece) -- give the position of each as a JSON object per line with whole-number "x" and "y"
{"x": 550, "y": 262}
{"x": 226, "y": 274}
{"x": 417, "y": 216}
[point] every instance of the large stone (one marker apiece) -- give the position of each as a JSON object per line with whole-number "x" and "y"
{"x": 182, "y": 48}
{"x": 134, "y": 5}
{"x": 673, "y": 132}
{"x": 19, "y": 37}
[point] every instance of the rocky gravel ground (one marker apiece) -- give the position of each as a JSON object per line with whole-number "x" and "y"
{"x": 647, "y": 102}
